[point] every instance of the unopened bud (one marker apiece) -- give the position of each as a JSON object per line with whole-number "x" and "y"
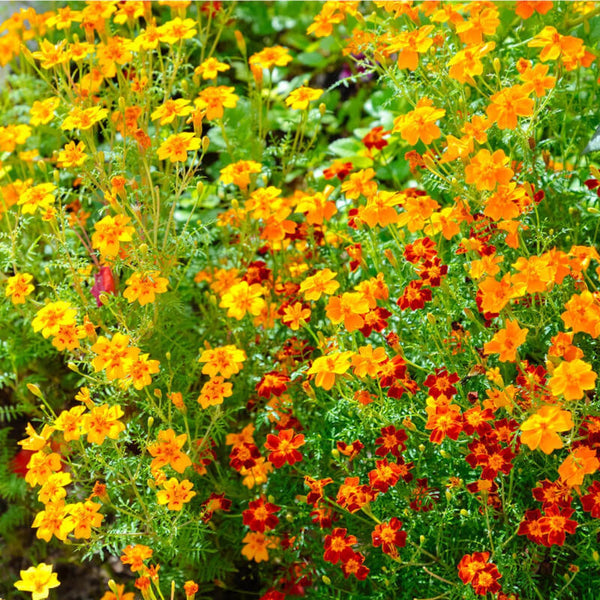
{"x": 56, "y": 176}
{"x": 431, "y": 318}
{"x": 335, "y": 453}
{"x": 464, "y": 512}
{"x": 35, "y": 390}
{"x": 422, "y": 539}
{"x": 185, "y": 86}
{"x": 122, "y": 104}
{"x": 205, "y": 143}
{"x": 421, "y": 448}
{"x": 143, "y": 249}
{"x": 200, "y": 189}
{"x": 150, "y": 422}
{"x": 326, "y": 580}
{"x": 595, "y": 556}
{"x": 241, "y": 43}
{"x": 497, "y": 65}
{"x": 157, "y": 393}
{"x": 322, "y": 109}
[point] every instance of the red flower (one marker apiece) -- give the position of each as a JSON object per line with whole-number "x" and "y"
{"x": 555, "y": 524}
{"x": 414, "y": 296}
{"x": 284, "y": 447}
{"x": 441, "y": 383}
{"x": 353, "y": 565}
{"x": 553, "y": 493}
{"x": 352, "y": 495}
{"x": 104, "y": 282}
{"x": 420, "y": 250}
{"x": 338, "y": 546}
{"x": 244, "y": 455}
{"x": 389, "y": 537}
{"x": 391, "y": 440}
{"x": 272, "y": 384}
{"x": 486, "y": 580}
{"x": 316, "y": 489}
{"x": 374, "y": 139}
{"x": 215, "y": 502}
{"x": 350, "y": 450}
{"x": 260, "y": 515}
{"x": 531, "y": 527}
{"x": 591, "y": 501}
{"x": 424, "y": 496}
{"x": 385, "y": 475}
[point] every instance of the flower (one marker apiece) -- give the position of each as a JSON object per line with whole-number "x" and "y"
{"x": 170, "y": 109}
{"x": 328, "y": 366}
{"x": 214, "y": 99}
{"x": 508, "y": 104}
{"x": 580, "y": 462}
{"x": 143, "y": 287}
{"x": 72, "y": 155}
{"x": 301, "y": 97}
{"x": 320, "y": 283}
{"x": 257, "y": 545}
{"x": 486, "y": 170}
{"x": 259, "y": 515}
{"x": 275, "y": 56}
{"x": 420, "y": 123}
{"x": 389, "y": 536}
{"x": 39, "y": 196}
{"x": 338, "y": 546}
{"x": 284, "y": 447}
{"x": 167, "y": 451}
{"x": 225, "y": 361}
{"x": 539, "y": 430}
{"x": 239, "y": 173}
{"x": 506, "y": 341}
{"x": 214, "y": 391}
{"x": 210, "y": 68}
{"x": 571, "y": 378}
{"x": 110, "y": 231}
{"x": 242, "y": 298}
{"x": 102, "y": 422}
{"x": 175, "y": 494}
{"x": 135, "y": 555}
{"x": 51, "y": 317}
{"x": 177, "y": 146}
{"x": 18, "y": 287}
{"x": 42, "y": 111}
{"x": 38, "y": 580}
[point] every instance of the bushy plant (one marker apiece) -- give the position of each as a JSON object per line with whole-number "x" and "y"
{"x": 302, "y": 298}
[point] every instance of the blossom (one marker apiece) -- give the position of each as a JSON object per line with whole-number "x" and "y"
{"x": 481, "y": 574}
{"x": 466, "y": 63}
{"x": 170, "y": 109}
{"x": 389, "y": 536}
{"x": 72, "y": 155}
{"x": 135, "y": 555}
{"x": 420, "y": 123}
{"x": 102, "y": 422}
{"x": 349, "y": 308}
{"x": 239, "y": 173}
{"x": 580, "y": 462}
{"x": 214, "y": 391}
{"x": 301, "y": 97}
{"x": 320, "y": 283}
{"x": 486, "y": 170}
{"x": 214, "y": 99}
{"x": 51, "y": 317}
{"x": 284, "y": 447}
{"x": 85, "y": 515}
{"x": 39, "y": 196}
{"x": 18, "y": 287}
{"x": 143, "y": 287}
{"x": 225, "y": 361}
{"x": 38, "y": 580}
{"x": 590, "y": 502}
{"x": 540, "y": 429}
{"x": 114, "y": 355}
{"x": 508, "y": 104}
{"x": 571, "y": 378}
{"x": 175, "y": 493}
{"x": 109, "y": 232}
{"x": 83, "y": 119}
{"x": 506, "y": 341}
{"x": 177, "y": 29}
{"x": 210, "y": 68}
{"x": 338, "y": 546}
{"x": 242, "y": 298}
{"x": 167, "y": 451}
{"x": 54, "y": 520}
{"x": 327, "y": 367}
{"x": 256, "y": 546}
{"x": 177, "y": 146}
{"x": 42, "y": 111}
{"x": 275, "y": 56}
{"x": 260, "y": 515}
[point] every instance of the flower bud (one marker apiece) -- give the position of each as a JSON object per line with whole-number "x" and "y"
{"x": 241, "y": 43}
{"x": 326, "y": 580}
{"x": 322, "y": 109}
{"x": 35, "y": 390}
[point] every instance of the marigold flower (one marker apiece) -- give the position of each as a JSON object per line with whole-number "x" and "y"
{"x": 177, "y": 29}
{"x": 320, "y": 283}
{"x": 226, "y": 361}
{"x": 353, "y": 565}
{"x": 506, "y": 341}
{"x": 466, "y": 63}
{"x": 177, "y": 146}
{"x": 239, "y": 173}
{"x": 214, "y": 391}
{"x": 256, "y": 546}
{"x": 349, "y": 308}
{"x": 540, "y": 429}
{"x": 38, "y": 580}
{"x": 51, "y": 317}
{"x": 69, "y": 422}
{"x": 327, "y": 367}
{"x": 508, "y": 104}
{"x": 571, "y": 378}
{"x": 39, "y": 196}
{"x": 72, "y": 155}
{"x": 167, "y": 451}
{"x": 54, "y": 520}
{"x": 590, "y": 502}
{"x": 295, "y": 315}
{"x": 360, "y": 183}
{"x": 85, "y": 515}
{"x": 210, "y": 68}
{"x": 42, "y": 111}
{"x": 175, "y": 494}
{"x": 135, "y": 555}
{"x": 389, "y": 536}
{"x": 537, "y": 80}
{"x": 140, "y": 371}
{"x": 143, "y": 287}
{"x": 555, "y": 524}
{"x": 445, "y": 420}
{"x": 242, "y": 298}
{"x": 214, "y": 99}
{"x": 338, "y": 546}
{"x": 284, "y": 447}
{"x": 301, "y": 97}
{"x": 170, "y": 109}
{"x": 114, "y": 355}
{"x": 581, "y": 461}
{"x": 83, "y": 119}
{"x": 109, "y": 232}
{"x": 260, "y": 515}
{"x": 420, "y": 123}
{"x": 526, "y": 8}
{"x": 486, "y": 170}
{"x": 102, "y": 422}
{"x": 275, "y": 56}
{"x": 18, "y": 287}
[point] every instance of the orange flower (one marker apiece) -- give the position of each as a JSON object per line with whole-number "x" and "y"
{"x": 295, "y": 315}
{"x": 242, "y": 298}
{"x": 275, "y": 56}
{"x": 466, "y": 63}
{"x": 167, "y": 451}
{"x": 506, "y": 341}
{"x": 571, "y": 378}
{"x": 283, "y": 448}
{"x": 102, "y": 422}
{"x": 508, "y": 104}
{"x": 239, "y": 173}
{"x": 143, "y": 287}
{"x": 109, "y": 232}
{"x": 583, "y": 314}
{"x": 18, "y": 287}
{"x": 42, "y": 112}
{"x": 328, "y": 366}
{"x": 420, "y": 123}
{"x": 486, "y": 170}
{"x": 134, "y": 556}
{"x": 537, "y": 80}
{"x": 170, "y": 109}
{"x": 226, "y": 361}
{"x": 256, "y": 546}
{"x": 322, "y": 282}
{"x": 380, "y": 210}
{"x": 214, "y": 391}
{"x": 526, "y": 8}
{"x": 210, "y": 68}
{"x": 72, "y": 155}
{"x": 360, "y": 183}
{"x": 50, "y": 318}
{"x": 539, "y": 430}
{"x": 348, "y": 308}
{"x": 214, "y": 99}
{"x": 175, "y": 494}
{"x": 581, "y": 461}
{"x": 114, "y": 355}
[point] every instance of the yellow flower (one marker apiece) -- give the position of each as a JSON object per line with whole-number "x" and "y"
{"x": 42, "y": 112}
{"x": 72, "y": 155}
{"x": 210, "y": 68}
{"x": 300, "y": 98}
{"x": 83, "y": 119}
{"x": 540, "y": 429}
{"x": 18, "y": 286}
{"x": 175, "y": 493}
{"x": 38, "y": 580}
{"x": 176, "y": 146}
{"x": 39, "y": 196}
{"x": 170, "y": 109}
